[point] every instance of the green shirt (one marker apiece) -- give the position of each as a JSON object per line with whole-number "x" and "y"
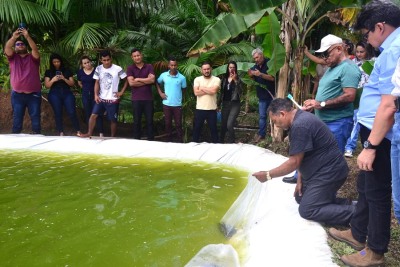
{"x": 345, "y": 74}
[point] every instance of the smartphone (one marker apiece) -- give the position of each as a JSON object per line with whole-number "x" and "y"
{"x": 22, "y": 25}
{"x": 58, "y": 72}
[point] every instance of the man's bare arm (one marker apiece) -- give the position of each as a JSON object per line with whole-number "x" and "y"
{"x": 287, "y": 167}
{"x": 8, "y": 48}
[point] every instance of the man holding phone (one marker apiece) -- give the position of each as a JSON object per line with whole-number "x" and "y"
{"x": 265, "y": 89}
{"x": 25, "y": 79}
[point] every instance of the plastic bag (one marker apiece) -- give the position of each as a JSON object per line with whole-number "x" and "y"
{"x": 244, "y": 212}
{"x": 215, "y": 255}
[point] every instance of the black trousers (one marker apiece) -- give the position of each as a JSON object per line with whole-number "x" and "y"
{"x": 140, "y": 107}
{"x": 371, "y": 220}
{"x": 205, "y": 115}
{"x": 319, "y": 203}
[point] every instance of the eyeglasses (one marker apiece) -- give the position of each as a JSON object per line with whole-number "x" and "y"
{"x": 327, "y": 53}
{"x": 365, "y": 35}
{"x": 19, "y": 44}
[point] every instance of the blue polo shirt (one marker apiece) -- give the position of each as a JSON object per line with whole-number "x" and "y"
{"x": 173, "y": 85}
{"x": 380, "y": 80}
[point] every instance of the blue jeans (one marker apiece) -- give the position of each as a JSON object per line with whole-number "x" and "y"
{"x": 21, "y": 101}
{"x": 352, "y": 141}
{"x": 58, "y": 100}
{"x": 395, "y": 160}
{"x": 262, "y": 111}
{"x": 341, "y": 129}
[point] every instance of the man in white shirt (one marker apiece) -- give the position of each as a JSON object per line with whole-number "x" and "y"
{"x": 106, "y": 93}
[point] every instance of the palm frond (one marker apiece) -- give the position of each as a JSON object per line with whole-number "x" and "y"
{"x": 16, "y": 11}
{"x": 89, "y": 35}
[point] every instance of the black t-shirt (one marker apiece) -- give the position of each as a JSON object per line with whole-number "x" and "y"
{"x": 322, "y": 157}
{"x": 60, "y": 85}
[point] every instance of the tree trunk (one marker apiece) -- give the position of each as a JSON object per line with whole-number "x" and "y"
{"x": 284, "y": 73}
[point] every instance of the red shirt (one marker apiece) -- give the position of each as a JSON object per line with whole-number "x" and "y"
{"x": 25, "y": 77}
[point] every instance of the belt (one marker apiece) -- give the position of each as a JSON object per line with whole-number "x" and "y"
{"x": 114, "y": 101}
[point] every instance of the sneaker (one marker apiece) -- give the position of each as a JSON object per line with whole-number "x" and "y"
{"x": 348, "y": 154}
{"x": 346, "y": 237}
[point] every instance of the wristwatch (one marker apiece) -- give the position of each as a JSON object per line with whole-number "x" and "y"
{"x": 368, "y": 145}
{"x": 268, "y": 176}
{"x": 323, "y": 104}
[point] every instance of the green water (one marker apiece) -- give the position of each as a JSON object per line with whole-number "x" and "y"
{"x": 85, "y": 210}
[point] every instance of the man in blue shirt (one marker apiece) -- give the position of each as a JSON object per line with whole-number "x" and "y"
{"x": 265, "y": 89}
{"x": 174, "y": 83}
{"x": 379, "y": 23}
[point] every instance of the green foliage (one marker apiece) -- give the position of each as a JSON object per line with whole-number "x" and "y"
{"x": 4, "y": 73}
{"x": 88, "y": 36}
{"x": 246, "y": 7}
{"x": 16, "y": 11}
{"x": 368, "y": 66}
{"x": 226, "y": 27}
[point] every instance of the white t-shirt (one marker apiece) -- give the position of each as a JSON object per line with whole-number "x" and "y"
{"x": 109, "y": 80}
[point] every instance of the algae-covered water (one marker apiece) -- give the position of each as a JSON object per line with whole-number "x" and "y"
{"x": 85, "y": 210}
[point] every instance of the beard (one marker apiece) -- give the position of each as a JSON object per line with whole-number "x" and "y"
{"x": 21, "y": 52}
{"x": 207, "y": 75}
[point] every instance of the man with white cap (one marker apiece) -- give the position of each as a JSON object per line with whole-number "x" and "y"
{"x": 333, "y": 103}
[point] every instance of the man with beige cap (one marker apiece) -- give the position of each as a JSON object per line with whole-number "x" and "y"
{"x": 333, "y": 103}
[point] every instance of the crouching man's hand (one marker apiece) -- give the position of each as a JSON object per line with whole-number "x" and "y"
{"x": 262, "y": 176}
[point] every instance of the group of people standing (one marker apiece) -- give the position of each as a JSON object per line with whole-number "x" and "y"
{"x": 101, "y": 94}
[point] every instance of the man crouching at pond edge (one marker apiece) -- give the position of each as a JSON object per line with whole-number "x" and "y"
{"x": 322, "y": 168}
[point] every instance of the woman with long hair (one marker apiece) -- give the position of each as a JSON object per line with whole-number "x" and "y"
{"x": 363, "y": 52}
{"x": 59, "y": 80}
{"x": 231, "y": 91}
{"x": 86, "y": 82}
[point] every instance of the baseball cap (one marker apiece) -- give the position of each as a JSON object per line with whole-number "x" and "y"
{"x": 328, "y": 41}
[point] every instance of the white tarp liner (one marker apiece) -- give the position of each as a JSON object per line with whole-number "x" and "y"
{"x": 278, "y": 237}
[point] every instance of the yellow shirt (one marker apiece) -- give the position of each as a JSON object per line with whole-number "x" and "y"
{"x": 207, "y": 102}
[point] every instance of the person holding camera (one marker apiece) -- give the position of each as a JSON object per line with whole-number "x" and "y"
{"x": 25, "y": 79}
{"x": 59, "y": 80}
